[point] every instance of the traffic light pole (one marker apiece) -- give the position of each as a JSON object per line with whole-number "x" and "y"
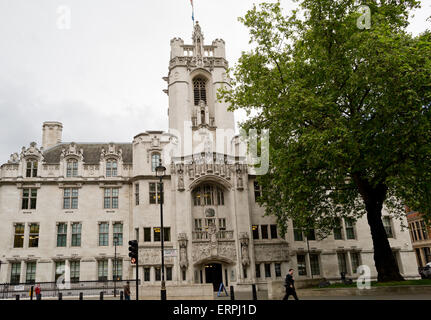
{"x": 137, "y": 278}
{"x": 134, "y": 255}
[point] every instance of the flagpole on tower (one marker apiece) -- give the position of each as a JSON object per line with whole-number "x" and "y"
{"x": 193, "y": 12}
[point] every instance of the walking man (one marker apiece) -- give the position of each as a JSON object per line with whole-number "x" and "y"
{"x": 127, "y": 291}
{"x": 289, "y": 284}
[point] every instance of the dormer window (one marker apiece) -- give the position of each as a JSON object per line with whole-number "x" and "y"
{"x": 72, "y": 168}
{"x": 200, "y": 93}
{"x": 31, "y": 171}
{"x": 111, "y": 168}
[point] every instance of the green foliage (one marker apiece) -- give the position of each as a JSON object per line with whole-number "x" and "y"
{"x": 347, "y": 108}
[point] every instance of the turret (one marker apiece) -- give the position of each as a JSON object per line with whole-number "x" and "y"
{"x": 176, "y": 47}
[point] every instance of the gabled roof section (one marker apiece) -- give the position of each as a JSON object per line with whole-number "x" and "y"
{"x": 91, "y": 152}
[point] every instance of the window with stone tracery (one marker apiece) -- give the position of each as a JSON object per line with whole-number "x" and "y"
{"x": 199, "y": 89}
{"x": 208, "y": 195}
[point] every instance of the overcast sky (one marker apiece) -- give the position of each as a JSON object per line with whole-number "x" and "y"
{"x": 102, "y": 77}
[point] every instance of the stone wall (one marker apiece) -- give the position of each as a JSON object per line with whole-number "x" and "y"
{"x": 177, "y": 292}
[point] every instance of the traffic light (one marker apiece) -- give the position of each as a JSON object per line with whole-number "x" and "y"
{"x": 133, "y": 251}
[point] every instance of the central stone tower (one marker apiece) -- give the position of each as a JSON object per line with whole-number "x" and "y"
{"x": 196, "y": 72}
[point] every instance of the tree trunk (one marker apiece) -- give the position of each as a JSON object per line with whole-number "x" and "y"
{"x": 384, "y": 259}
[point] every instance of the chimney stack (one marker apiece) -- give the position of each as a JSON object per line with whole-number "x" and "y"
{"x": 51, "y": 134}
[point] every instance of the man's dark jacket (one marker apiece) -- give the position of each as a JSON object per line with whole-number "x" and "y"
{"x": 289, "y": 282}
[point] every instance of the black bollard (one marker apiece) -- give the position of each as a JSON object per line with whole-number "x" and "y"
{"x": 31, "y": 292}
{"x": 17, "y": 297}
{"x": 121, "y": 295}
{"x": 81, "y": 296}
{"x": 253, "y": 287}
{"x": 232, "y": 293}
{"x": 60, "y": 296}
{"x": 101, "y": 295}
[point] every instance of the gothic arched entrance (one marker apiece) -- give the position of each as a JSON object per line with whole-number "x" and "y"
{"x": 214, "y": 275}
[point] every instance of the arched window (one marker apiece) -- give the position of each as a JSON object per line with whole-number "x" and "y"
{"x": 111, "y": 168}
{"x": 208, "y": 195}
{"x": 72, "y": 168}
{"x": 31, "y": 171}
{"x": 155, "y": 161}
{"x": 199, "y": 88}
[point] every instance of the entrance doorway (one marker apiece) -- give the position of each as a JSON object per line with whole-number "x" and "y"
{"x": 213, "y": 274}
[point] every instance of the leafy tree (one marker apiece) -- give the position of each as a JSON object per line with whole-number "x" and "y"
{"x": 348, "y": 111}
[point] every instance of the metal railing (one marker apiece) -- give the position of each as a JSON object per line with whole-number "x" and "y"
{"x": 71, "y": 289}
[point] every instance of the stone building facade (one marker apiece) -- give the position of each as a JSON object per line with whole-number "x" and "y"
{"x": 65, "y": 208}
{"x": 420, "y": 234}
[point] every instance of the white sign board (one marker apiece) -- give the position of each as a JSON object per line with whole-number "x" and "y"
{"x": 19, "y": 288}
{"x": 171, "y": 253}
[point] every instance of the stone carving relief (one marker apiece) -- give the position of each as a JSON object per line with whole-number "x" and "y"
{"x": 182, "y": 240}
{"x": 112, "y": 151}
{"x": 155, "y": 142}
{"x": 72, "y": 150}
{"x": 31, "y": 151}
{"x": 224, "y": 249}
{"x": 273, "y": 252}
{"x": 245, "y": 259}
{"x": 181, "y": 180}
{"x": 152, "y": 256}
{"x": 14, "y": 158}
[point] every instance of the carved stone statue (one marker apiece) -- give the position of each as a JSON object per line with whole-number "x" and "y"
{"x": 14, "y": 158}
{"x": 182, "y": 240}
{"x": 239, "y": 181}
{"x": 181, "y": 180}
{"x": 245, "y": 259}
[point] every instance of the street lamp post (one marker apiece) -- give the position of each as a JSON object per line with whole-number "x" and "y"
{"x": 160, "y": 172}
{"x": 115, "y": 266}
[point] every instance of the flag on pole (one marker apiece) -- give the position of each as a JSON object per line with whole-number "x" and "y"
{"x": 193, "y": 11}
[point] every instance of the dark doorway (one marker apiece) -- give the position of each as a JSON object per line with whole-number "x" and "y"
{"x": 213, "y": 274}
